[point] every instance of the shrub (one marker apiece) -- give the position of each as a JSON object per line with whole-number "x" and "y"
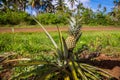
{"x": 12, "y": 18}
{"x": 30, "y": 21}
{"x": 50, "y": 18}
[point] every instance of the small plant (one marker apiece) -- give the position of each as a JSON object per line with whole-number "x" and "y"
{"x": 65, "y": 64}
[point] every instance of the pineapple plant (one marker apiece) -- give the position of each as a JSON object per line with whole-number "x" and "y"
{"x": 74, "y": 33}
{"x": 63, "y": 67}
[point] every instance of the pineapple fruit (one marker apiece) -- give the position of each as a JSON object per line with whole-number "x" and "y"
{"x": 74, "y": 33}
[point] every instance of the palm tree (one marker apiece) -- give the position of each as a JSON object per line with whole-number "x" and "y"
{"x": 35, "y": 3}
{"x": 42, "y": 5}
{"x": 22, "y": 4}
{"x": 72, "y": 2}
{"x": 117, "y": 4}
{"x": 80, "y": 8}
{"x": 14, "y": 4}
{"x": 60, "y": 5}
{"x": 116, "y": 11}
{"x": 4, "y": 4}
{"x": 104, "y": 9}
{"x": 99, "y": 6}
{"x": 49, "y": 6}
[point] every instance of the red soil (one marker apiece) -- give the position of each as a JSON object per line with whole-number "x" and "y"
{"x": 4, "y": 30}
{"x": 107, "y": 63}
{"x": 110, "y": 64}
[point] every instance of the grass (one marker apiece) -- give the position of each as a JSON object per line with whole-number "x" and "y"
{"x": 38, "y": 42}
{"x": 30, "y": 26}
{"x": 37, "y": 26}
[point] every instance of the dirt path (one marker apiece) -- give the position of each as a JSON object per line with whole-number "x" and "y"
{"x": 5, "y": 30}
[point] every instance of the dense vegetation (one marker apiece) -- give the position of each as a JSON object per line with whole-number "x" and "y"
{"x": 14, "y": 13}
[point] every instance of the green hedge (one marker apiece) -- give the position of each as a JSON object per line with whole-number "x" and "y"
{"x": 50, "y": 18}
{"x": 16, "y": 18}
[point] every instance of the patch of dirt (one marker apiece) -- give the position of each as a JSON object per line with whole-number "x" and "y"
{"x": 108, "y": 63}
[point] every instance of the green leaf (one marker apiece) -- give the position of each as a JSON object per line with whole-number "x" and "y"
{"x": 78, "y": 37}
{"x": 67, "y": 78}
{"x": 47, "y": 73}
{"x": 90, "y": 71}
{"x": 103, "y": 74}
{"x": 65, "y": 49}
{"x": 80, "y": 72}
{"x": 73, "y": 71}
{"x": 98, "y": 70}
{"x": 91, "y": 76}
{"x": 61, "y": 43}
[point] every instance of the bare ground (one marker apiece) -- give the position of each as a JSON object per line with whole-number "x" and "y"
{"x": 108, "y": 63}
{"x": 9, "y": 30}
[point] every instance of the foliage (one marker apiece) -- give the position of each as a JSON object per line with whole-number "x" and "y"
{"x": 13, "y": 18}
{"x": 49, "y": 18}
{"x": 13, "y": 12}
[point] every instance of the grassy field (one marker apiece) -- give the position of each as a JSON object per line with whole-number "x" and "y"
{"x": 38, "y": 42}
{"x": 37, "y": 46}
{"x": 37, "y": 26}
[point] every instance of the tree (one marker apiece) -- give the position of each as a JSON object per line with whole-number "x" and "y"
{"x": 104, "y": 9}
{"x": 42, "y": 5}
{"x": 49, "y": 6}
{"x": 60, "y": 5}
{"x": 72, "y": 2}
{"x": 99, "y": 6}
{"x": 80, "y": 8}
{"x": 117, "y": 4}
{"x": 4, "y": 4}
{"x": 22, "y": 4}
{"x": 15, "y": 5}
{"x": 116, "y": 11}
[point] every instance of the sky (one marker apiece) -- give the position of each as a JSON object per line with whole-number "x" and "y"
{"x": 93, "y": 4}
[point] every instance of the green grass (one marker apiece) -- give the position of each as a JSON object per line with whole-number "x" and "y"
{"x": 60, "y": 25}
{"x": 30, "y": 26}
{"x": 38, "y": 42}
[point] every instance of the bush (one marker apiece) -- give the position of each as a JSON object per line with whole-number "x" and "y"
{"x": 13, "y": 18}
{"x": 50, "y": 18}
{"x": 29, "y": 20}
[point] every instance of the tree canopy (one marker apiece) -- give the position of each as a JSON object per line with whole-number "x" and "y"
{"x": 56, "y": 9}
